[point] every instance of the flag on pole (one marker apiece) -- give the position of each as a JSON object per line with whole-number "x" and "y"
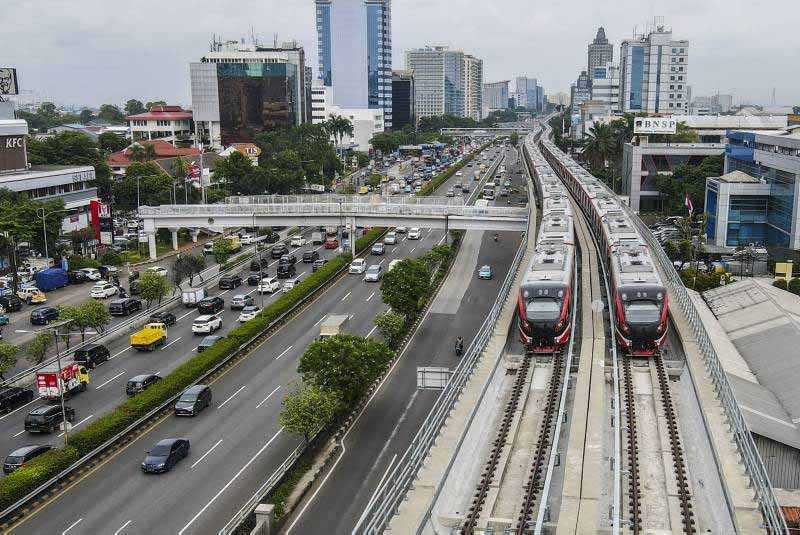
{"x": 687, "y": 201}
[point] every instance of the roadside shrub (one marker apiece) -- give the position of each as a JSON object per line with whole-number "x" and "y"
{"x": 79, "y": 262}
{"x": 35, "y": 473}
{"x": 794, "y": 286}
{"x": 781, "y": 283}
{"x": 111, "y": 258}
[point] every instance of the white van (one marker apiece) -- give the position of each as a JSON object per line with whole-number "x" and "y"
{"x": 291, "y": 283}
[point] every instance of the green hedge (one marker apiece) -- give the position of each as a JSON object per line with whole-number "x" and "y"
{"x": 37, "y": 472}
{"x": 441, "y": 178}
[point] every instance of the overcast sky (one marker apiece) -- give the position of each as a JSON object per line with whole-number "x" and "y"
{"x": 97, "y": 51}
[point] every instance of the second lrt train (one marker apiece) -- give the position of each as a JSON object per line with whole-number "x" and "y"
{"x": 641, "y": 307}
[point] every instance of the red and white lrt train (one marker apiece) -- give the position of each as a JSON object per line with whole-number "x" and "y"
{"x": 640, "y": 298}
{"x": 545, "y": 302}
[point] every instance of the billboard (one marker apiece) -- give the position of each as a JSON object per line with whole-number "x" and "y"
{"x": 8, "y": 81}
{"x": 655, "y": 125}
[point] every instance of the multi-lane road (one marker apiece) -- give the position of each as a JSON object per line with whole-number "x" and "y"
{"x": 235, "y": 443}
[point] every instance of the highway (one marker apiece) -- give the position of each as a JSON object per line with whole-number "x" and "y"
{"x": 383, "y": 431}
{"x": 235, "y": 444}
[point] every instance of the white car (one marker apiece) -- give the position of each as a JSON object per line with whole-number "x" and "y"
{"x": 459, "y": 173}
{"x": 374, "y": 273}
{"x": 158, "y": 270}
{"x": 358, "y": 266}
{"x": 91, "y": 274}
{"x": 291, "y": 283}
{"x": 206, "y": 324}
{"x": 246, "y": 239}
{"x": 268, "y": 285}
{"x": 297, "y": 241}
{"x": 101, "y": 290}
{"x": 414, "y": 234}
{"x": 248, "y": 313}
{"x": 390, "y": 239}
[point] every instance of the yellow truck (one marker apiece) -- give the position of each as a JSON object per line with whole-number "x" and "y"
{"x": 363, "y": 190}
{"x": 149, "y": 337}
{"x": 236, "y": 243}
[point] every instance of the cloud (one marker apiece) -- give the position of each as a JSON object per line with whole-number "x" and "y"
{"x": 92, "y": 51}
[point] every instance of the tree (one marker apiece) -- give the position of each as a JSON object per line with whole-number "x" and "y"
{"x": 794, "y": 286}
{"x": 86, "y": 116}
{"x": 600, "y": 146}
{"x": 111, "y": 142}
{"x": 392, "y": 328}
{"x": 404, "y": 287}
{"x": 72, "y": 148}
{"x": 153, "y": 287}
{"x": 90, "y": 314}
{"x": 147, "y": 180}
{"x": 238, "y": 175}
{"x": 514, "y": 138}
{"x": 345, "y": 365}
{"x": 221, "y": 250}
{"x": 111, "y": 114}
{"x": 781, "y": 283}
{"x": 187, "y": 266}
{"x": 153, "y": 104}
{"x": 8, "y": 357}
{"x": 38, "y": 347}
{"x": 111, "y": 258}
{"x": 308, "y": 409}
{"x": 671, "y": 250}
{"x": 134, "y": 107}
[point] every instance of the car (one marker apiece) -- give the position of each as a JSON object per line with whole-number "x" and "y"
{"x": 207, "y": 342}
{"x": 20, "y": 456}
{"x": 193, "y": 400}
{"x": 211, "y": 305}
{"x": 465, "y": 188}
{"x": 331, "y": 243}
{"x": 256, "y": 265}
{"x": 357, "y": 266}
{"x": 208, "y": 248}
{"x": 134, "y": 288}
{"x": 450, "y": 193}
{"x": 229, "y": 282}
{"x": 91, "y": 355}
{"x": 31, "y": 294}
{"x": 310, "y": 256}
{"x": 91, "y": 274}
{"x": 47, "y": 418}
{"x": 247, "y": 239}
{"x": 414, "y": 234}
{"x": 44, "y": 315}
{"x": 206, "y": 324}
{"x": 287, "y": 259}
{"x": 101, "y": 290}
{"x": 253, "y": 279}
{"x": 297, "y": 241}
{"x": 318, "y": 264}
{"x": 279, "y": 250}
{"x": 13, "y": 397}
{"x": 268, "y": 285}
{"x": 407, "y": 189}
{"x": 271, "y": 237}
{"x": 286, "y": 271}
{"x": 11, "y": 303}
{"x": 390, "y": 238}
{"x": 417, "y": 189}
{"x": 459, "y": 173}
{"x": 485, "y": 272}
{"x": 507, "y": 184}
{"x": 290, "y": 283}
{"x": 76, "y": 276}
{"x": 167, "y": 318}
{"x": 158, "y": 270}
{"x": 140, "y": 383}
{"x": 373, "y": 274}
{"x": 238, "y": 302}
{"x": 378, "y": 249}
{"x": 165, "y": 455}
{"x": 108, "y": 271}
{"x": 124, "y": 307}
{"x": 248, "y": 313}
{"x": 400, "y": 230}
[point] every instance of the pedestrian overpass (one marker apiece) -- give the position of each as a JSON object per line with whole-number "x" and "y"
{"x": 331, "y": 210}
{"x": 480, "y": 132}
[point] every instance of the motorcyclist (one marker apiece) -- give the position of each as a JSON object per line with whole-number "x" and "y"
{"x": 459, "y": 346}
{"x": 496, "y": 236}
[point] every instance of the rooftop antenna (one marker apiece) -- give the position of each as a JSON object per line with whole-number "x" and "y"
{"x": 275, "y": 40}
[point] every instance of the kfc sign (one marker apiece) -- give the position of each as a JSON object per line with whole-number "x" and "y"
{"x": 12, "y": 153}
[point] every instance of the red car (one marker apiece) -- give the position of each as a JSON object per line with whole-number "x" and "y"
{"x": 332, "y": 244}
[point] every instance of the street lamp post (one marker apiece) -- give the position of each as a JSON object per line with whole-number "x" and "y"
{"x": 43, "y": 214}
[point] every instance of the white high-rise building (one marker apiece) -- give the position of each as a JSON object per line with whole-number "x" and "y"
{"x": 605, "y": 86}
{"x": 366, "y": 121}
{"x": 354, "y": 40}
{"x": 446, "y": 82}
{"x": 473, "y": 87}
{"x": 654, "y": 73}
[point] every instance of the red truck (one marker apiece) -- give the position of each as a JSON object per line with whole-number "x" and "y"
{"x": 72, "y": 378}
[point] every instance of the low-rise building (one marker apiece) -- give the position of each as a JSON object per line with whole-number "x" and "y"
{"x": 169, "y": 123}
{"x": 366, "y": 121}
{"x": 165, "y": 154}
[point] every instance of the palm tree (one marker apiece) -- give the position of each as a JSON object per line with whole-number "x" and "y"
{"x": 136, "y": 153}
{"x": 600, "y": 147}
{"x": 149, "y": 152}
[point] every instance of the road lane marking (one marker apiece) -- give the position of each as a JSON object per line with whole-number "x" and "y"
{"x": 319, "y": 320}
{"x": 72, "y": 526}
{"x": 223, "y": 293}
{"x": 381, "y": 262}
{"x": 20, "y": 407}
{"x": 372, "y": 331}
{"x": 123, "y": 526}
{"x": 121, "y": 352}
{"x": 79, "y": 423}
{"x": 18, "y": 434}
{"x": 231, "y": 396}
{"x": 346, "y": 295}
{"x": 412, "y": 249}
{"x": 371, "y": 296}
{"x": 380, "y": 484}
{"x": 198, "y": 461}
{"x": 187, "y": 314}
{"x": 169, "y": 344}
{"x": 104, "y": 384}
{"x": 284, "y": 352}
{"x": 440, "y": 241}
{"x": 268, "y": 396}
{"x": 229, "y": 483}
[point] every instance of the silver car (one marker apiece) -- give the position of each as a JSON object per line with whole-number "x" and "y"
{"x": 373, "y": 274}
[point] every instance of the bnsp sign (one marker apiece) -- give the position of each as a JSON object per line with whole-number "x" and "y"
{"x": 655, "y": 125}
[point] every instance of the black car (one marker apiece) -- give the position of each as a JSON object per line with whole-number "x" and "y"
{"x": 11, "y": 303}
{"x": 47, "y": 418}
{"x": 167, "y": 318}
{"x": 318, "y": 264}
{"x": 124, "y": 307}
{"x": 286, "y": 271}
{"x": 211, "y": 305}
{"x": 272, "y": 237}
{"x": 92, "y": 355}
{"x": 76, "y": 277}
{"x": 193, "y": 400}
{"x": 44, "y": 315}
{"x": 287, "y": 259}
{"x": 310, "y": 256}
{"x": 140, "y": 383}
{"x": 229, "y": 282}
{"x": 253, "y": 279}
{"x": 164, "y": 455}
{"x": 207, "y": 342}
{"x": 22, "y": 455}
{"x": 134, "y": 288}
{"x": 12, "y": 397}
{"x": 279, "y": 250}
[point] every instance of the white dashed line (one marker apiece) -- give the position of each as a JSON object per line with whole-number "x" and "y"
{"x": 231, "y": 397}
{"x": 284, "y": 352}
{"x": 268, "y": 396}
{"x": 104, "y": 384}
{"x": 198, "y": 461}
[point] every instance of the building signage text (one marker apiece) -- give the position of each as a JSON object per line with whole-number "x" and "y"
{"x": 655, "y": 125}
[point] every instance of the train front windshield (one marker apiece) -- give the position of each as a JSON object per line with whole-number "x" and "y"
{"x": 642, "y": 312}
{"x": 543, "y": 309}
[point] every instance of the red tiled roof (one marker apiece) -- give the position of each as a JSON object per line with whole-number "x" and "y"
{"x": 161, "y": 113}
{"x": 792, "y": 516}
{"x": 163, "y": 150}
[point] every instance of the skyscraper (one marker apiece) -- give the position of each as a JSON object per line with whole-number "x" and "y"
{"x": 473, "y": 87}
{"x": 354, "y": 40}
{"x": 527, "y": 96}
{"x": 402, "y": 99}
{"x": 654, "y": 73}
{"x": 495, "y": 95}
{"x": 600, "y": 52}
{"x": 438, "y": 80}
